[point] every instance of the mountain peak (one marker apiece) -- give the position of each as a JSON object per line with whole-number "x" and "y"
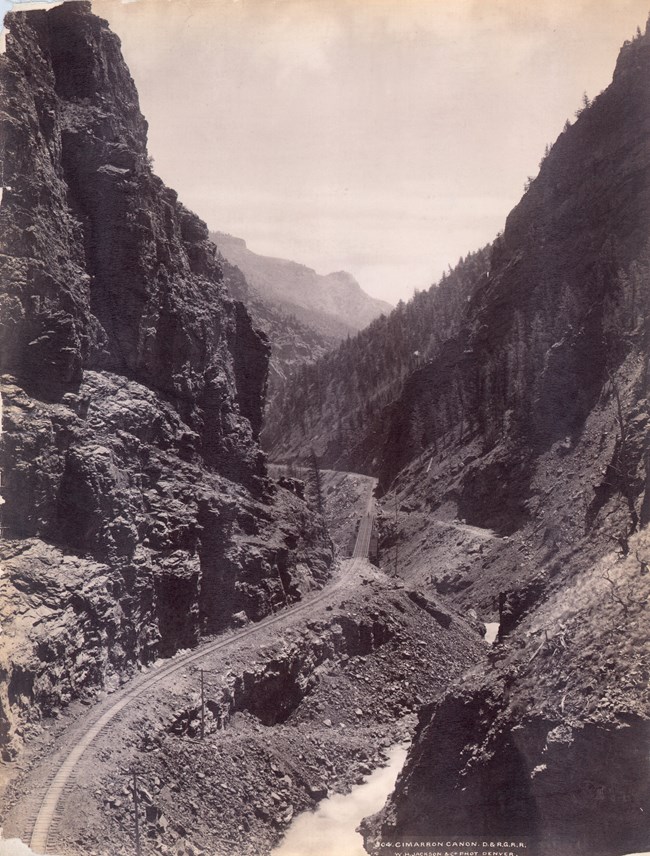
{"x": 334, "y": 304}
{"x": 225, "y": 237}
{"x": 634, "y": 54}
{"x": 344, "y": 276}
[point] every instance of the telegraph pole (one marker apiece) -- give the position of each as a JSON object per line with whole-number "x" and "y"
{"x": 136, "y": 813}
{"x": 396, "y": 533}
{"x": 202, "y": 707}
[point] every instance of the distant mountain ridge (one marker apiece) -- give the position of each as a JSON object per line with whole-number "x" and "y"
{"x": 292, "y": 342}
{"x": 333, "y": 304}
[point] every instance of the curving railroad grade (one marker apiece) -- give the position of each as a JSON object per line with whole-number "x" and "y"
{"x": 44, "y": 827}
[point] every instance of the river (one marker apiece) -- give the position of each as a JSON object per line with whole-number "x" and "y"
{"x": 330, "y": 830}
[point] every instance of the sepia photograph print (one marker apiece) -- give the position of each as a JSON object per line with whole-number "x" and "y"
{"x": 324, "y": 428}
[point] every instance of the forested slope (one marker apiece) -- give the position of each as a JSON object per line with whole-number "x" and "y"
{"x": 338, "y": 404}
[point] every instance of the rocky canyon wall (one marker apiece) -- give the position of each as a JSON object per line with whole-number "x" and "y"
{"x": 138, "y": 513}
{"x": 534, "y": 429}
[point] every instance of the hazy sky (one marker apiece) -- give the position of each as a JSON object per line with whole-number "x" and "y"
{"x": 383, "y": 137}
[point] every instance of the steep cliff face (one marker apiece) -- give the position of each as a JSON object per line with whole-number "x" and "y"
{"x": 549, "y": 745}
{"x": 105, "y": 269}
{"x": 556, "y": 311}
{"x": 533, "y": 431}
{"x": 138, "y": 511}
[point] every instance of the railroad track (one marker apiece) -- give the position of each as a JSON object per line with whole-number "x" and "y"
{"x": 42, "y": 833}
{"x": 362, "y": 544}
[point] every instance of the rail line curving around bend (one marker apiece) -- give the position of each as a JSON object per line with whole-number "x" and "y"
{"x": 43, "y": 828}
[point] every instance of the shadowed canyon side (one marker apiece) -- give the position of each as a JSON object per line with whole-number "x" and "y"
{"x": 138, "y": 512}
{"x": 534, "y": 422}
{"x": 506, "y": 413}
